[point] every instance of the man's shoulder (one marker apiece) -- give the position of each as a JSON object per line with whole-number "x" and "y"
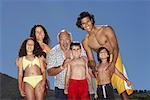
{"x": 55, "y": 48}
{"x": 105, "y": 28}
{"x": 85, "y": 39}
{"x": 54, "y": 51}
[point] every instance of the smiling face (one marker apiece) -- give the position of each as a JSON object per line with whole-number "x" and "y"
{"x": 39, "y": 33}
{"x": 76, "y": 51}
{"x": 103, "y": 54}
{"x": 64, "y": 41}
{"x": 86, "y": 24}
{"x": 30, "y": 46}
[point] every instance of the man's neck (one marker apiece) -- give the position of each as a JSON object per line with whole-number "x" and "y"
{"x": 92, "y": 30}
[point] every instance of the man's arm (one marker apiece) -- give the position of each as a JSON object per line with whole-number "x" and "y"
{"x": 89, "y": 78}
{"x": 53, "y": 67}
{"x": 55, "y": 70}
{"x": 89, "y": 53}
{"x": 67, "y": 77}
{"x": 114, "y": 44}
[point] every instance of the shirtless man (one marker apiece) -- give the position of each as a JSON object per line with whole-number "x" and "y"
{"x": 76, "y": 85}
{"x": 101, "y": 36}
{"x": 103, "y": 76}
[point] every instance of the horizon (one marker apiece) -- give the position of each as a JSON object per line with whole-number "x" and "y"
{"x": 53, "y": 89}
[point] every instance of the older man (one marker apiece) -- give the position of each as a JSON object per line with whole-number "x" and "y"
{"x": 57, "y": 58}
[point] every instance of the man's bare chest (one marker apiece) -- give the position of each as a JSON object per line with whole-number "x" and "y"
{"x": 97, "y": 41}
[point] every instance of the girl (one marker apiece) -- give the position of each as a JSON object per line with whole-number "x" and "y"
{"x": 31, "y": 70}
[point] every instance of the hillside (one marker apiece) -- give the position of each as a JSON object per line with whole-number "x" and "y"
{"x": 9, "y": 91}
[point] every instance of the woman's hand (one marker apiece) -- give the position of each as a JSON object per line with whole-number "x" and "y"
{"x": 45, "y": 47}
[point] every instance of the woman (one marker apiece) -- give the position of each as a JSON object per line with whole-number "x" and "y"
{"x": 39, "y": 33}
{"x": 31, "y": 70}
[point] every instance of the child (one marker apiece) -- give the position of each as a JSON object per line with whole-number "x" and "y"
{"x": 103, "y": 76}
{"x": 31, "y": 70}
{"x": 76, "y": 85}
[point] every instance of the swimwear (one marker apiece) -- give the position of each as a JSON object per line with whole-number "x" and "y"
{"x": 78, "y": 90}
{"x": 33, "y": 80}
{"x": 105, "y": 92}
{"x": 116, "y": 81}
{"x": 27, "y": 62}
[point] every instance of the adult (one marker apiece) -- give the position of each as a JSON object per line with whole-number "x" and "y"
{"x": 102, "y": 36}
{"x": 57, "y": 58}
{"x": 40, "y": 34}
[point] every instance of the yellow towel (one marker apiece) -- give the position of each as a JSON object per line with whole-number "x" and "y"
{"x": 116, "y": 81}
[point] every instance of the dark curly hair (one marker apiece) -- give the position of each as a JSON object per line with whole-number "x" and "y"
{"x": 37, "y": 49}
{"x": 83, "y": 15}
{"x": 46, "y": 38}
{"x": 99, "y": 50}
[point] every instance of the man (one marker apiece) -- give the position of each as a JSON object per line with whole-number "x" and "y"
{"x": 57, "y": 58}
{"x": 102, "y": 36}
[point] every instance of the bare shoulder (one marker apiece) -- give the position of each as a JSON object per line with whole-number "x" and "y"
{"x": 40, "y": 58}
{"x": 20, "y": 59}
{"x": 84, "y": 58}
{"x": 19, "y": 62}
{"x": 108, "y": 29}
{"x": 85, "y": 41}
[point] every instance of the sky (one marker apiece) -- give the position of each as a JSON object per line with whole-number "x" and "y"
{"x": 129, "y": 19}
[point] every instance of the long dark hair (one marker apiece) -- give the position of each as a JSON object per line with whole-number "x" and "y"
{"x": 37, "y": 49}
{"x": 83, "y": 15}
{"x": 99, "y": 50}
{"x": 46, "y": 38}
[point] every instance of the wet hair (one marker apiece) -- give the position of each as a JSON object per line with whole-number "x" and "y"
{"x": 46, "y": 38}
{"x": 98, "y": 52}
{"x": 83, "y": 15}
{"x": 75, "y": 44}
{"x": 37, "y": 49}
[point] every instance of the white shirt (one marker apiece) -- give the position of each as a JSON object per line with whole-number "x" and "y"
{"x": 56, "y": 58}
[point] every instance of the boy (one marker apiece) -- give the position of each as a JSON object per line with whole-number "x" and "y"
{"x": 76, "y": 85}
{"x": 104, "y": 75}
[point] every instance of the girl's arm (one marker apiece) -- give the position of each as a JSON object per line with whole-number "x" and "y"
{"x": 89, "y": 78}
{"x": 20, "y": 76}
{"x": 43, "y": 68}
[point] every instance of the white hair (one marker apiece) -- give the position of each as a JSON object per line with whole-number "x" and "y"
{"x": 64, "y": 30}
